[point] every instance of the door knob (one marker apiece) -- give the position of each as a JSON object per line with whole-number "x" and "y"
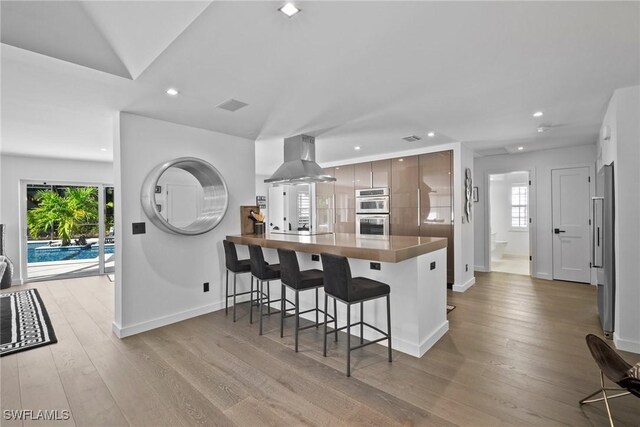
{"x": 558, "y": 231}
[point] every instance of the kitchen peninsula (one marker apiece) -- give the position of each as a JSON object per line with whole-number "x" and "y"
{"x": 414, "y": 267}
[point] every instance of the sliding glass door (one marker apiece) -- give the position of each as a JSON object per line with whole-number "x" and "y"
{"x": 68, "y": 230}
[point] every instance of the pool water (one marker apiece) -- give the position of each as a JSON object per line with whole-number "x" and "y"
{"x": 52, "y": 254}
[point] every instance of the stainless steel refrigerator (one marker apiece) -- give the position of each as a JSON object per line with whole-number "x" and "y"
{"x": 603, "y": 251}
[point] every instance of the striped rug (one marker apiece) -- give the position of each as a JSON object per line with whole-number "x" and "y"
{"x": 24, "y": 322}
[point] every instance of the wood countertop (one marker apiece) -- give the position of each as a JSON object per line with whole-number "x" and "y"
{"x": 393, "y": 249}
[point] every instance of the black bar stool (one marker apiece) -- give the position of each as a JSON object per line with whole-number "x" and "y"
{"x": 263, "y": 272}
{"x": 339, "y": 284}
{"x": 236, "y": 266}
{"x": 291, "y": 277}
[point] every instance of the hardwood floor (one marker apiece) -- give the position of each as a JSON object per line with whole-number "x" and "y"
{"x": 514, "y": 355}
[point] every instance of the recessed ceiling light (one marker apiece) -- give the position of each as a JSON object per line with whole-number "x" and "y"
{"x": 520, "y": 148}
{"x": 356, "y": 148}
{"x": 103, "y": 149}
{"x": 431, "y": 134}
{"x": 172, "y": 91}
{"x": 289, "y": 9}
{"x": 538, "y": 114}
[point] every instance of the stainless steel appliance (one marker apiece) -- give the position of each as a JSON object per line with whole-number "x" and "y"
{"x": 372, "y": 212}
{"x": 299, "y": 163}
{"x": 603, "y": 250}
{"x": 372, "y": 225}
{"x": 372, "y": 201}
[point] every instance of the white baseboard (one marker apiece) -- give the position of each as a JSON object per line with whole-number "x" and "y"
{"x": 626, "y": 345}
{"x": 433, "y": 338}
{"x": 543, "y": 276}
{"x": 461, "y": 288}
{"x": 137, "y": 328}
{"x": 481, "y": 268}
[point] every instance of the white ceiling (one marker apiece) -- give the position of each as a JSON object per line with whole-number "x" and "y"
{"x": 350, "y": 73}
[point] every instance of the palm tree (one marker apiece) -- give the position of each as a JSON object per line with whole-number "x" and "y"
{"x": 63, "y": 214}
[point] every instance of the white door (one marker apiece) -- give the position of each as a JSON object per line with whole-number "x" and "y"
{"x": 183, "y": 204}
{"x": 570, "y": 198}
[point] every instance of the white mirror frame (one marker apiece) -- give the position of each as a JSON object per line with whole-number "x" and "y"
{"x": 214, "y": 204}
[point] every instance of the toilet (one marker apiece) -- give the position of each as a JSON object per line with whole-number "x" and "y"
{"x": 497, "y": 247}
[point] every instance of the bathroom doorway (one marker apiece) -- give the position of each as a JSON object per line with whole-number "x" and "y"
{"x": 510, "y": 222}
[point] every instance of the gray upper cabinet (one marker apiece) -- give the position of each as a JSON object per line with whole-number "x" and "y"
{"x": 362, "y": 175}
{"x": 381, "y": 173}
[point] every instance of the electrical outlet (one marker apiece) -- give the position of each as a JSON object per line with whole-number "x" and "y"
{"x": 138, "y": 228}
{"x": 315, "y": 257}
{"x": 433, "y": 265}
{"x": 205, "y": 287}
{"x": 466, "y": 267}
{"x": 375, "y": 266}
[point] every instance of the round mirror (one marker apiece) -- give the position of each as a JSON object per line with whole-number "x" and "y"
{"x": 185, "y": 196}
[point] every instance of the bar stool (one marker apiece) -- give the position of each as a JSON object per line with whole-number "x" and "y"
{"x": 298, "y": 281}
{"x": 236, "y": 266}
{"x": 339, "y": 285}
{"x": 262, "y": 272}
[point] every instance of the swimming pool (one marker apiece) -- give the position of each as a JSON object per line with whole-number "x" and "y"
{"x": 63, "y": 253}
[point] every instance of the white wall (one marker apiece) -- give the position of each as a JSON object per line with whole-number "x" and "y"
{"x": 500, "y": 196}
{"x": 624, "y": 150}
{"x": 159, "y": 275}
{"x": 16, "y": 168}
{"x": 463, "y": 231}
{"x": 539, "y": 164}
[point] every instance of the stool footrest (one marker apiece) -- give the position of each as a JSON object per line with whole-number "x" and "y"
{"x": 369, "y": 343}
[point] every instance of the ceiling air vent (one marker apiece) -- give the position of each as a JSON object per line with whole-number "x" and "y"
{"x": 412, "y": 138}
{"x": 232, "y": 105}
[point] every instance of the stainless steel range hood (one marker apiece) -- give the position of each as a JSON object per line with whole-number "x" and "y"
{"x": 299, "y": 163}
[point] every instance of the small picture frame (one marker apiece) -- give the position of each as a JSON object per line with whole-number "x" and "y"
{"x": 474, "y": 194}
{"x": 158, "y": 189}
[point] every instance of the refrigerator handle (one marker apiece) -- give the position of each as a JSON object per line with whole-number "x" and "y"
{"x": 596, "y": 240}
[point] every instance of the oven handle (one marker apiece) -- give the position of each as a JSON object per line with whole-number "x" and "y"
{"x": 373, "y": 199}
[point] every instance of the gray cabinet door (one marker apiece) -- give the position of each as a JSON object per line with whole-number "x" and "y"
{"x": 436, "y": 201}
{"x": 404, "y": 196}
{"x": 381, "y": 173}
{"x": 362, "y": 175}
{"x": 345, "y": 199}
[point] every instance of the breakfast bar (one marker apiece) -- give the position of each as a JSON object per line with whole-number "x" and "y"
{"x": 414, "y": 268}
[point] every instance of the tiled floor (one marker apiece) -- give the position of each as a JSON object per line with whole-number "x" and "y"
{"x": 511, "y": 264}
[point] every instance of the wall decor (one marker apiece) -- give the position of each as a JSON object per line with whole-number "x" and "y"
{"x": 261, "y": 201}
{"x": 467, "y": 195}
{"x": 196, "y": 198}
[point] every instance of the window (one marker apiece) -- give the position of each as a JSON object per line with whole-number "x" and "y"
{"x": 304, "y": 210}
{"x": 519, "y": 202}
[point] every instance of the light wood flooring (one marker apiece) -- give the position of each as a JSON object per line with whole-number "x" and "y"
{"x": 514, "y": 355}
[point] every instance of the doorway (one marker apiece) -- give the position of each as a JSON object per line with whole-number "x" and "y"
{"x": 68, "y": 230}
{"x": 509, "y": 207}
{"x": 571, "y": 198}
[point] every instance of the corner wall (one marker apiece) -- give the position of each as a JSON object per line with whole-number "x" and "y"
{"x": 540, "y": 164}
{"x": 16, "y": 168}
{"x": 159, "y": 275}
{"x": 623, "y": 149}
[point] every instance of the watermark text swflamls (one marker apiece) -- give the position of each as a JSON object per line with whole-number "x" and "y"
{"x": 36, "y": 415}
